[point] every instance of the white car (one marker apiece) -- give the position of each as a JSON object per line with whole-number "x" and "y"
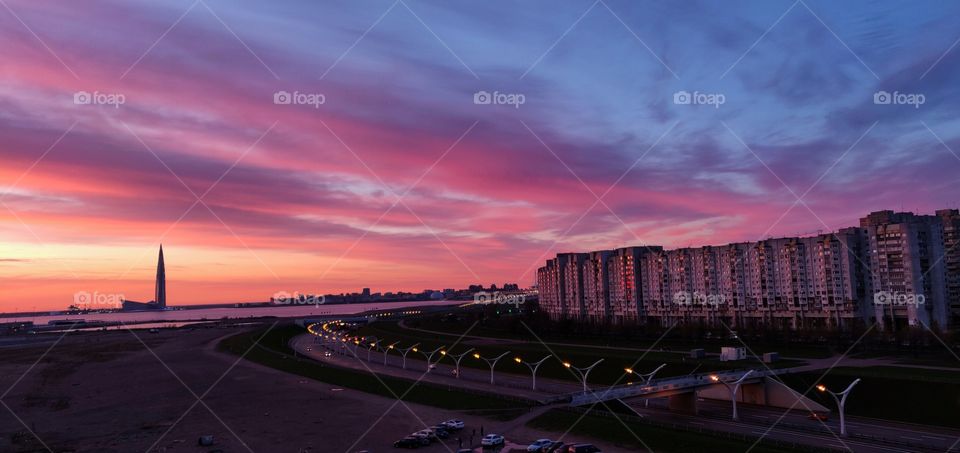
{"x": 491, "y": 440}
{"x": 454, "y": 424}
{"x": 539, "y": 445}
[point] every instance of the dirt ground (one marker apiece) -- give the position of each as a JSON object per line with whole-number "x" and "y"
{"x": 159, "y": 392}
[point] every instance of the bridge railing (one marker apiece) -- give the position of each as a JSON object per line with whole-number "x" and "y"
{"x": 664, "y": 385}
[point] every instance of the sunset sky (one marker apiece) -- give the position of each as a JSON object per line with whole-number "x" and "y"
{"x": 304, "y": 197}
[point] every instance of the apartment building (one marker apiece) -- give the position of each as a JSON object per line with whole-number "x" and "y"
{"x": 895, "y": 269}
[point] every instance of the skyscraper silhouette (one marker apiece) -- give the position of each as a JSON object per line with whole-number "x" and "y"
{"x": 160, "y": 293}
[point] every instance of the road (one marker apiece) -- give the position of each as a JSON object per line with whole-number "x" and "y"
{"x": 867, "y": 435}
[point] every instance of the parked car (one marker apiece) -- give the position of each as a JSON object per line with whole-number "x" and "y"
{"x": 491, "y": 440}
{"x": 429, "y": 434}
{"x": 818, "y": 416}
{"x": 407, "y": 442}
{"x": 556, "y": 447}
{"x": 424, "y": 438}
{"x": 440, "y": 431}
{"x": 539, "y": 445}
{"x": 582, "y": 448}
{"x": 453, "y": 424}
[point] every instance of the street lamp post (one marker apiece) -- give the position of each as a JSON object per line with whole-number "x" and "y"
{"x": 584, "y": 372}
{"x": 429, "y": 356}
{"x": 386, "y": 350}
{"x": 492, "y": 362}
{"x": 646, "y": 379}
{"x": 533, "y": 368}
{"x": 841, "y": 399}
{"x": 457, "y": 358}
{"x": 404, "y": 351}
{"x": 373, "y": 345}
{"x": 733, "y": 389}
{"x": 356, "y": 348}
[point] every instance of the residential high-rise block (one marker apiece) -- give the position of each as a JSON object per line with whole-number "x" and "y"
{"x": 895, "y": 269}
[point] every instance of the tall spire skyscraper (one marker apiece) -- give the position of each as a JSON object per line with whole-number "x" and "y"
{"x": 160, "y": 293}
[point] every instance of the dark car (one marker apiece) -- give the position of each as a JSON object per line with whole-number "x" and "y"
{"x": 582, "y": 448}
{"x": 441, "y": 431}
{"x": 556, "y": 447}
{"x": 407, "y": 442}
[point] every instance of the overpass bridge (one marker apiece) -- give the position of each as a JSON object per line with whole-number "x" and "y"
{"x": 758, "y": 387}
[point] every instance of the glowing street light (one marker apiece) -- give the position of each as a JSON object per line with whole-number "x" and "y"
{"x": 646, "y": 379}
{"x": 841, "y": 399}
{"x": 492, "y": 362}
{"x": 373, "y": 344}
{"x": 429, "y": 355}
{"x": 533, "y": 368}
{"x": 404, "y": 351}
{"x": 457, "y": 358}
{"x": 584, "y": 372}
{"x": 386, "y": 350}
{"x": 733, "y": 389}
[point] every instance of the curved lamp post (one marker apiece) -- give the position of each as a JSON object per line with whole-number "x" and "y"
{"x": 457, "y": 358}
{"x": 646, "y": 379}
{"x": 533, "y": 368}
{"x": 841, "y": 399}
{"x": 373, "y": 345}
{"x": 386, "y": 350}
{"x": 492, "y": 362}
{"x": 429, "y": 355}
{"x": 733, "y": 389}
{"x": 584, "y": 372}
{"x": 356, "y": 348}
{"x": 404, "y": 351}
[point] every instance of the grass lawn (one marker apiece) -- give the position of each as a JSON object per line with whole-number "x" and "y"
{"x": 458, "y": 327}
